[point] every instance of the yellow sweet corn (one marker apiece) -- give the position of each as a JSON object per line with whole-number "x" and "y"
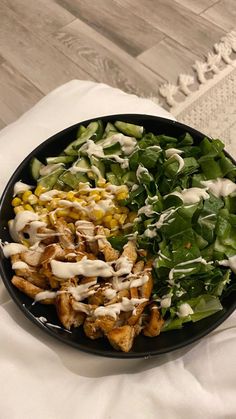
{"x": 71, "y": 226}
{"x": 122, "y": 218}
{"x": 25, "y": 196}
{"x": 113, "y": 223}
{"x": 70, "y": 196}
{"x": 121, "y": 195}
{"x": 97, "y": 213}
{"x": 25, "y": 243}
{"x": 74, "y": 215}
{"x": 32, "y": 199}
{"x": 20, "y": 208}
{"x": 131, "y": 217}
{"x": 39, "y": 190}
{"x": 62, "y": 212}
{"x": 52, "y": 217}
{"x": 16, "y": 201}
{"x": 28, "y": 207}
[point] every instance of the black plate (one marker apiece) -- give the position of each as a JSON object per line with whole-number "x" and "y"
{"x": 143, "y": 346}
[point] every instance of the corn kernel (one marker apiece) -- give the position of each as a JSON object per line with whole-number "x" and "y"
{"x": 80, "y": 201}
{"x": 28, "y": 207}
{"x": 116, "y": 216}
{"x": 40, "y": 189}
{"x": 95, "y": 197}
{"x": 52, "y": 217}
{"x": 74, "y": 215}
{"x": 122, "y": 218}
{"x": 16, "y": 201}
{"x": 83, "y": 216}
{"x": 107, "y": 218}
{"x": 97, "y": 214}
{"x": 121, "y": 195}
{"x": 113, "y": 223}
{"x": 20, "y": 208}
{"x": 101, "y": 183}
{"x": 71, "y": 227}
{"x": 107, "y": 232}
{"x": 25, "y": 196}
{"x": 42, "y": 203}
{"x": 62, "y": 213}
{"x": 32, "y": 199}
{"x": 70, "y": 195}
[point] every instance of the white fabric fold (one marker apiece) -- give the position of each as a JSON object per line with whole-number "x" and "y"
{"x": 41, "y": 377}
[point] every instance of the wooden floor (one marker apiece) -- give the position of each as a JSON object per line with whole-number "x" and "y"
{"x": 131, "y": 44}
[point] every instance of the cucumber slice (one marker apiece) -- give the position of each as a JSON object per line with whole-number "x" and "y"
{"x": 130, "y": 129}
{"x": 109, "y": 130}
{"x": 99, "y": 165}
{"x": 112, "y": 149}
{"x": 80, "y": 131}
{"x": 60, "y": 159}
{"x": 49, "y": 181}
{"x": 112, "y": 178}
{"x": 118, "y": 171}
{"x": 73, "y": 179}
{"x": 35, "y": 166}
{"x": 94, "y": 131}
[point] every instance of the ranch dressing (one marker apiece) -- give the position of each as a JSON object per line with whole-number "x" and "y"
{"x": 21, "y": 187}
{"x": 185, "y": 310}
{"x": 11, "y": 249}
{"x": 191, "y": 195}
{"x": 113, "y": 310}
{"x": 85, "y": 267}
{"x": 220, "y": 187}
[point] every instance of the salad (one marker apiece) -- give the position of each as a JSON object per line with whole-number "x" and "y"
{"x": 127, "y": 232}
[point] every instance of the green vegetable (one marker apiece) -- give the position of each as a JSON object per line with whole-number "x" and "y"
{"x": 35, "y": 166}
{"x": 129, "y": 129}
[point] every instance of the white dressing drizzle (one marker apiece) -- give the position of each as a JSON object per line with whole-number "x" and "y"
{"x": 231, "y": 263}
{"x": 85, "y": 267}
{"x": 47, "y": 170}
{"x": 21, "y": 187}
{"x": 185, "y": 310}
{"x": 49, "y": 195}
{"x": 44, "y": 295}
{"x": 191, "y": 195}
{"x": 82, "y": 291}
{"x": 171, "y": 151}
{"x": 113, "y": 310}
{"x": 220, "y": 186}
{"x": 11, "y": 249}
{"x": 20, "y": 265}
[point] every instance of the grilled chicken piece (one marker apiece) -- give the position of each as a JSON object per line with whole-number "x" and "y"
{"x": 66, "y": 238}
{"x": 31, "y": 257}
{"x": 85, "y": 231}
{"x": 153, "y": 328}
{"x": 121, "y": 338}
{"x": 91, "y": 329}
{"x": 30, "y": 289}
{"x": 129, "y": 250}
{"x": 105, "y": 247}
{"x": 65, "y": 311}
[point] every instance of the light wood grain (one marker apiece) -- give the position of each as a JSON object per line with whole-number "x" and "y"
{"x": 40, "y": 15}
{"x": 168, "y": 59}
{"x": 17, "y": 93}
{"x": 119, "y": 24}
{"x": 196, "y": 6}
{"x": 222, "y": 14}
{"x": 103, "y": 60}
{"x": 190, "y": 30}
{"x": 129, "y": 44}
{"x": 40, "y": 62}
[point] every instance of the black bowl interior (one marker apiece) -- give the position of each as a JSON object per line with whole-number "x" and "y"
{"x": 143, "y": 346}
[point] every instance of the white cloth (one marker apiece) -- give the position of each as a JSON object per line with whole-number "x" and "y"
{"x": 42, "y": 378}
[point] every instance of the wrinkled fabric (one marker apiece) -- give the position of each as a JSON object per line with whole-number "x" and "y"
{"x": 43, "y": 378}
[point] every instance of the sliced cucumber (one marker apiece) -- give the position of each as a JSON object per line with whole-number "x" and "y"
{"x": 93, "y": 131}
{"x": 118, "y": 171}
{"x": 49, "y": 181}
{"x": 130, "y": 129}
{"x": 60, "y": 159}
{"x": 80, "y": 131}
{"x": 35, "y": 166}
{"x": 112, "y": 149}
{"x": 73, "y": 179}
{"x": 109, "y": 130}
{"x": 112, "y": 178}
{"x": 99, "y": 165}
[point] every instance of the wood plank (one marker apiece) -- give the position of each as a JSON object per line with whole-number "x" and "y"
{"x": 180, "y": 24}
{"x": 36, "y": 59}
{"x": 2, "y": 123}
{"x": 16, "y": 92}
{"x": 40, "y": 15}
{"x": 103, "y": 60}
{"x": 168, "y": 59}
{"x": 116, "y": 22}
{"x": 196, "y": 6}
{"x": 222, "y": 14}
